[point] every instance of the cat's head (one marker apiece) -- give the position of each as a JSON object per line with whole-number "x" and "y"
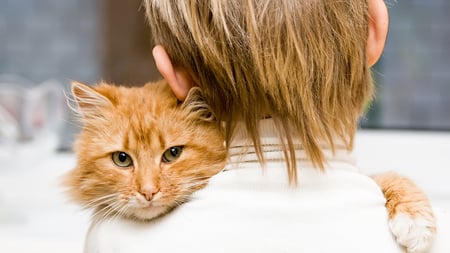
{"x": 140, "y": 152}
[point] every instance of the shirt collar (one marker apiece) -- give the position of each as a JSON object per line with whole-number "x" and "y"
{"x": 242, "y": 151}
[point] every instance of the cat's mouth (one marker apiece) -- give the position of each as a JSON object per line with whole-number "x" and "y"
{"x": 144, "y": 209}
{"x": 150, "y": 210}
{"x": 152, "y": 204}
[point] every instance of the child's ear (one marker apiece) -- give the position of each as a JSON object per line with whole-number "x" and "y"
{"x": 179, "y": 80}
{"x": 89, "y": 101}
{"x": 378, "y": 29}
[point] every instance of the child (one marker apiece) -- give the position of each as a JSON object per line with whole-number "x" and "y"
{"x": 289, "y": 79}
{"x": 303, "y": 63}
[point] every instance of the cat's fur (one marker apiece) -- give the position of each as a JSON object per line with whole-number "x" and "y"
{"x": 411, "y": 217}
{"x": 145, "y": 122}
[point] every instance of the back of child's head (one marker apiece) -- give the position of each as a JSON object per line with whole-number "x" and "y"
{"x": 301, "y": 62}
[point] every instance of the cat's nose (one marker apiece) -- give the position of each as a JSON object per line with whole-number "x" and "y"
{"x": 149, "y": 192}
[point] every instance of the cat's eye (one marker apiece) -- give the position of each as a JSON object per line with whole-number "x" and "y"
{"x": 122, "y": 159}
{"x": 172, "y": 154}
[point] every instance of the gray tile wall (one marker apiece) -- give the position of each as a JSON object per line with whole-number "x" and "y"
{"x": 414, "y": 72}
{"x": 50, "y": 39}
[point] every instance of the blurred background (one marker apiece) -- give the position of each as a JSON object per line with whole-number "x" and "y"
{"x": 46, "y": 43}
{"x": 81, "y": 40}
{"x": 88, "y": 41}
{"x": 107, "y": 40}
{"x": 413, "y": 75}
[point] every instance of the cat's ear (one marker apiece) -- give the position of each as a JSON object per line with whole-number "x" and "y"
{"x": 197, "y": 106}
{"x": 89, "y": 102}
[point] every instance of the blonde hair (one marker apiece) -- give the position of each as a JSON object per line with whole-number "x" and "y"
{"x": 301, "y": 62}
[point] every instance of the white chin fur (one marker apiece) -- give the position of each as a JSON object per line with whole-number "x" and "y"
{"x": 415, "y": 234}
{"x": 149, "y": 213}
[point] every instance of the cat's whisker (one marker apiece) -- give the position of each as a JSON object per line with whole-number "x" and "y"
{"x": 202, "y": 179}
{"x": 182, "y": 199}
{"x": 191, "y": 184}
{"x": 171, "y": 177}
{"x": 103, "y": 197}
{"x": 193, "y": 187}
{"x": 105, "y": 211}
{"x": 178, "y": 202}
{"x": 112, "y": 210}
{"x": 98, "y": 204}
{"x": 96, "y": 216}
{"x": 105, "y": 214}
{"x": 193, "y": 178}
{"x": 196, "y": 181}
{"x": 100, "y": 201}
{"x": 100, "y": 211}
{"x": 121, "y": 212}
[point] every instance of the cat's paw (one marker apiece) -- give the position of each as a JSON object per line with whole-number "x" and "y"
{"x": 415, "y": 234}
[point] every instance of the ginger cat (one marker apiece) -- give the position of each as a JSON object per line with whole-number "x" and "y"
{"x": 142, "y": 153}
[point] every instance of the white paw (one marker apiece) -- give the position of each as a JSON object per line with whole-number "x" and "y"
{"x": 415, "y": 234}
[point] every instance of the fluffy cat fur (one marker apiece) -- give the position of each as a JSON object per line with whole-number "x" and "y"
{"x": 411, "y": 217}
{"x": 143, "y": 123}
{"x": 146, "y": 122}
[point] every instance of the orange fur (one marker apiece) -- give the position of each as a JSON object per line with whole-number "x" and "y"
{"x": 411, "y": 216}
{"x": 142, "y": 122}
{"x": 402, "y": 195}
